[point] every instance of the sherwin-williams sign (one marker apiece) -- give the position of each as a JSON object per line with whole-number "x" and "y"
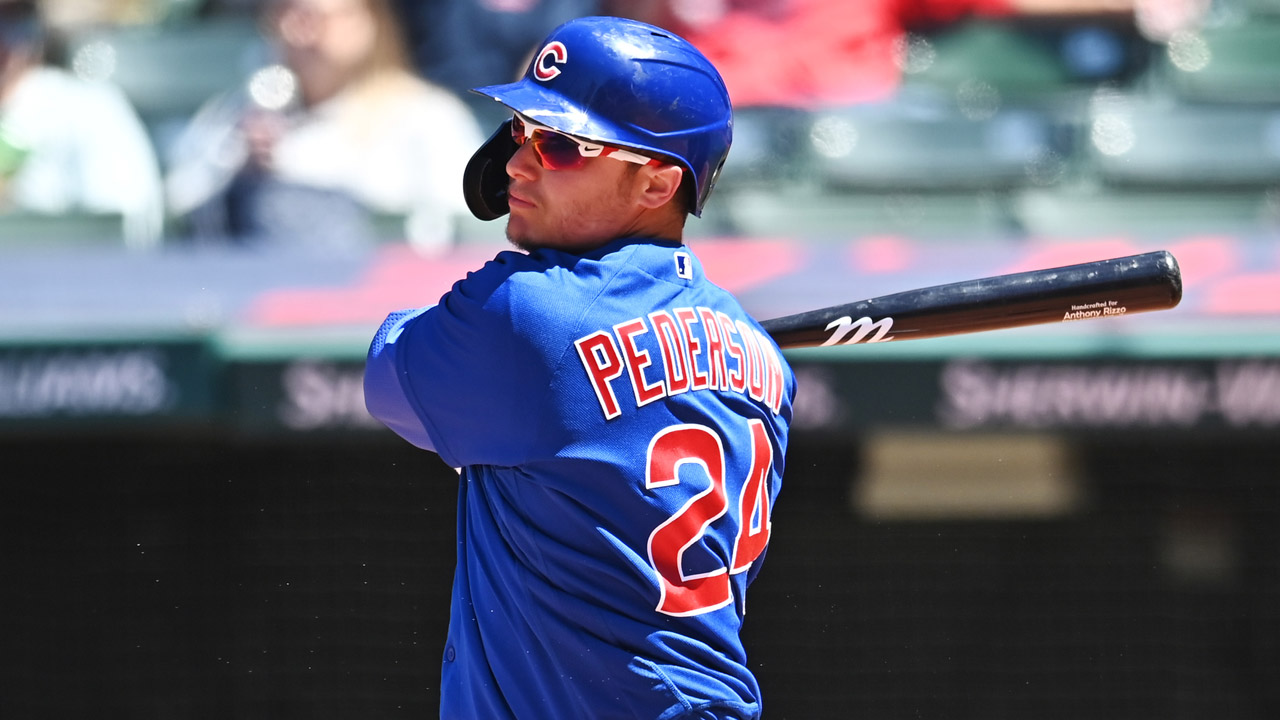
{"x": 117, "y": 381}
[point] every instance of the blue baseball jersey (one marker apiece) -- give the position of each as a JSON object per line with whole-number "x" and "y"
{"x": 620, "y": 426}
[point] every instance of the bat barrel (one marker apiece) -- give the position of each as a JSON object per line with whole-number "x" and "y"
{"x": 1100, "y": 289}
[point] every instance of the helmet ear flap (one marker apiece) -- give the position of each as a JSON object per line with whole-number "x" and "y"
{"x": 484, "y": 181}
{"x": 708, "y": 186}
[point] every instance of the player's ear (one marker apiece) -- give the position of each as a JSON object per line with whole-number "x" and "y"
{"x": 660, "y": 183}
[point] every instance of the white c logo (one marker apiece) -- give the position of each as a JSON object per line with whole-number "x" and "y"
{"x": 554, "y": 52}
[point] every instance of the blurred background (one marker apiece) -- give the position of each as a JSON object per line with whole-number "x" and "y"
{"x": 206, "y": 209}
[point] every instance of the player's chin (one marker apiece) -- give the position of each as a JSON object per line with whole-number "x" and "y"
{"x": 519, "y": 235}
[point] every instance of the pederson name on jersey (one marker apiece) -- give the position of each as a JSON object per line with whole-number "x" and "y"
{"x": 684, "y": 349}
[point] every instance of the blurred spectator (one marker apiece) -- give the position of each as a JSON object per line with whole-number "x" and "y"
{"x": 313, "y": 150}
{"x": 814, "y": 53}
{"x": 68, "y": 144}
{"x": 463, "y": 44}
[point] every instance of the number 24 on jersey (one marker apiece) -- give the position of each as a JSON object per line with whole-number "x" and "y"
{"x": 692, "y": 594}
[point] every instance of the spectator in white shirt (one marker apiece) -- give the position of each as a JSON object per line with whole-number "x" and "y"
{"x": 69, "y": 145}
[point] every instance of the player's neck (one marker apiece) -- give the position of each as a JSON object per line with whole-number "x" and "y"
{"x": 660, "y": 224}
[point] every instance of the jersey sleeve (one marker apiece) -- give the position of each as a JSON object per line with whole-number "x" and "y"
{"x": 461, "y": 378}
{"x": 384, "y": 395}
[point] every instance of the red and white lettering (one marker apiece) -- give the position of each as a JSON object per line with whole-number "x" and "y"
{"x": 687, "y": 318}
{"x": 737, "y": 377}
{"x": 685, "y": 594}
{"x": 773, "y": 370}
{"x": 736, "y": 357}
{"x": 554, "y": 53}
{"x": 674, "y": 351}
{"x": 637, "y": 360}
{"x": 753, "y": 506}
{"x": 717, "y": 370}
{"x": 600, "y": 358}
{"x": 755, "y": 361}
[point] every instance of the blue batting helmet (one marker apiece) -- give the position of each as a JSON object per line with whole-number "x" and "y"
{"x": 628, "y": 84}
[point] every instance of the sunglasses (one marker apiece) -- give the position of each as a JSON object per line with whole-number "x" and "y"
{"x": 557, "y": 151}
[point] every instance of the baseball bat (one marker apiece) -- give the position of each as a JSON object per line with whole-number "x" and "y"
{"x": 1106, "y": 288}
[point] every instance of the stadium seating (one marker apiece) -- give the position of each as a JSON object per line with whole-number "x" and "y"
{"x": 922, "y": 148}
{"x": 171, "y": 69}
{"x": 1256, "y": 8}
{"x": 820, "y": 214}
{"x": 770, "y": 146}
{"x": 995, "y": 54}
{"x": 1093, "y": 210}
{"x": 168, "y": 70}
{"x": 1167, "y": 143}
{"x": 29, "y": 229}
{"x": 1232, "y": 63}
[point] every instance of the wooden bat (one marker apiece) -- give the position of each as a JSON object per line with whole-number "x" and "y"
{"x": 1105, "y": 288}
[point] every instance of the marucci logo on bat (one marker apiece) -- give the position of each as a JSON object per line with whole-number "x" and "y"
{"x": 863, "y": 330}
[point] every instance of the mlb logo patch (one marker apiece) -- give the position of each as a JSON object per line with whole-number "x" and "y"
{"x": 684, "y": 266}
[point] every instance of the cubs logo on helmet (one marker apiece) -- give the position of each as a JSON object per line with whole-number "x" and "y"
{"x": 544, "y": 67}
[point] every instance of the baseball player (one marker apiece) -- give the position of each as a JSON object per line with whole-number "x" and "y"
{"x": 618, "y": 420}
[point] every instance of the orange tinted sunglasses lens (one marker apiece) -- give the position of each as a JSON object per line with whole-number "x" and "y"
{"x": 554, "y": 151}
